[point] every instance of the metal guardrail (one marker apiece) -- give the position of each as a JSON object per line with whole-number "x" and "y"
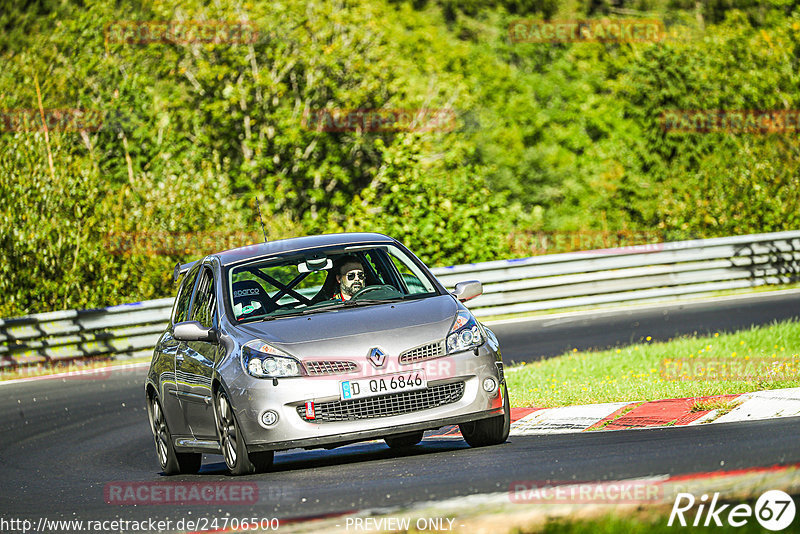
{"x": 627, "y": 274}
{"x": 592, "y": 278}
{"x": 128, "y": 329}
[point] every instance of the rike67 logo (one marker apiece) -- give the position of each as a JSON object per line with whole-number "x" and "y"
{"x": 774, "y": 510}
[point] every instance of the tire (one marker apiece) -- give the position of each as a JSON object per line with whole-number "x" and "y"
{"x": 172, "y": 463}
{"x": 404, "y": 441}
{"x": 231, "y": 441}
{"x": 491, "y": 431}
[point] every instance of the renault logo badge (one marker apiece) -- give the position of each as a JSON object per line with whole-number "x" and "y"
{"x": 377, "y": 357}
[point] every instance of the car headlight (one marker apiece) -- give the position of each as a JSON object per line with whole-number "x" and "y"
{"x": 465, "y": 334}
{"x": 262, "y": 360}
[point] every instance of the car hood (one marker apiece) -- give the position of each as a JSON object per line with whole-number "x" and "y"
{"x": 351, "y": 333}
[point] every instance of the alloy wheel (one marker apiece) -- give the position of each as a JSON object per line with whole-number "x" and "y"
{"x": 227, "y": 430}
{"x": 160, "y": 432}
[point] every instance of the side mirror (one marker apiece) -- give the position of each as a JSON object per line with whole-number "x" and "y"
{"x": 193, "y": 331}
{"x": 465, "y": 291}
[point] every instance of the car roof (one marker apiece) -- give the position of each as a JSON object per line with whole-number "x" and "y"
{"x": 296, "y": 244}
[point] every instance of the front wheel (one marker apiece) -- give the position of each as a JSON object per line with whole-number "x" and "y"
{"x": 171, "y": 462}
{"x": 491, "y": 431}
{"x": 231, "y": 441}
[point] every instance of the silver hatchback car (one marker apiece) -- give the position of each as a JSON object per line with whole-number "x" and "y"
{"x": 318, "y": 342}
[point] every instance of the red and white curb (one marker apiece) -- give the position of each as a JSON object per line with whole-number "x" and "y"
{"x": 765, "y": 405}
{"x": 640, "y": 414}
{"x": 667, "y": 412}
{"x": 565, "y": 419}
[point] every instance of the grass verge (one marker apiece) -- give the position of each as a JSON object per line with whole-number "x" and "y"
{"x": 761, "y": 358}
{"x": 720, "y": 405}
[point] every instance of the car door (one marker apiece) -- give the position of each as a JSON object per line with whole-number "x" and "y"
{"x": 171, "y": 350}
{"x": 195, "y": 363}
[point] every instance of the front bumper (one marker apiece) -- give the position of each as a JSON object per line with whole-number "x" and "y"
{"x": 251, "y": 397}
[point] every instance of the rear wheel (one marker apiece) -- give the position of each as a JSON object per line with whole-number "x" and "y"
{"x": 404, "y": 440}
{"x": 171, "y": 462}
{"x": 231, "y": 441}
{"x": 491, "y": 431}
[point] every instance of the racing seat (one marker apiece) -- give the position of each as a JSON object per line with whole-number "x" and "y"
{"x": 249, "y": 298}
{"x": 328, "y": 289}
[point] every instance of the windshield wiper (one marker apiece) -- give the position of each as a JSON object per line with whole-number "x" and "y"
{"x": 256, "y": 318}
{"x": 307, "y": 311}
{"x": 293, "y": 313}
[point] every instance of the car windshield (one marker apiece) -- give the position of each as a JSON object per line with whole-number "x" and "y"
{"x": 307, "y": 282}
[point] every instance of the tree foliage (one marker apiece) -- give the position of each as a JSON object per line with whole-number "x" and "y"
{"x": 548, "y": 137}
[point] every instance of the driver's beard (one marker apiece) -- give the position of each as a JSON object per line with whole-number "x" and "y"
{"x": 353, "y": 289}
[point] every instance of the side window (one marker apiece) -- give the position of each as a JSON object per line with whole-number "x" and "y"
{"x": 372, "y": 259}
{"x": 185, "y": 296}
{"x": 413, "y": 282}
{"x": 205, "y": 302}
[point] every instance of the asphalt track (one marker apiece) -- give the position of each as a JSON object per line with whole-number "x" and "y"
{"x": 64, "y": 441}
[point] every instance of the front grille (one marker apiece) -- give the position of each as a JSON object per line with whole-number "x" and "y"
{"x": 385, "y": 405}
{"x": 329, "y": 367}
{"x": 424, "y": 352}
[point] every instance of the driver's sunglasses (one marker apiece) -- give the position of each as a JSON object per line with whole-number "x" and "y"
{"x": 352, "y": 275}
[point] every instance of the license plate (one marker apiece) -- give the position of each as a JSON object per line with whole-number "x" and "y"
{"x": 382, "y": 385}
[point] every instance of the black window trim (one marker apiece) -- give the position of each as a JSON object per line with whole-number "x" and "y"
{"x": 183, "y": 286}
{"x": 206, "y": 265}
{"x": 225, "y": 269}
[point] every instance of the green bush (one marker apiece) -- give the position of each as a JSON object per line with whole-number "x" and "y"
{"x": 547, "y": 137}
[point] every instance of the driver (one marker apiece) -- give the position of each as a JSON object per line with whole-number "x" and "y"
{"x": 350, "y": 278}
